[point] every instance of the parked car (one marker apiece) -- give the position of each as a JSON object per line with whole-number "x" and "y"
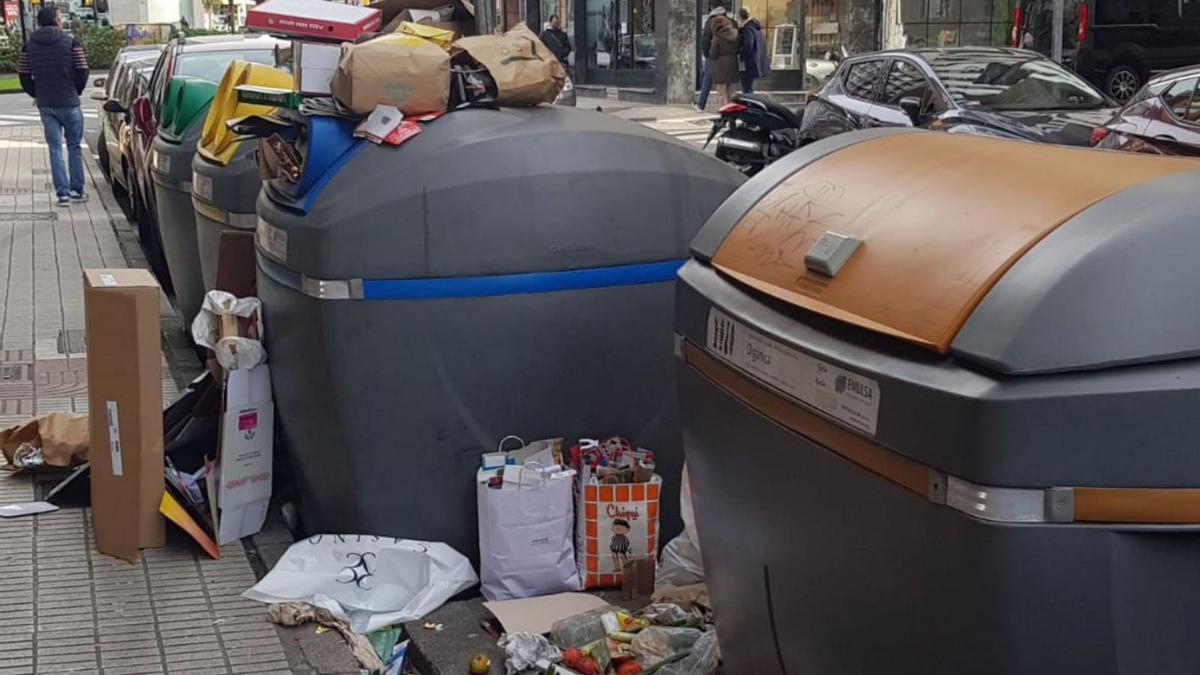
{"x": 115, "y": 85}
{"x": 1163, "y": 118}
{"x": 992, "y": 91}
{"x": 204, "y": 57}
{"x": 130, "y": 64}
{"x": 1115, "y": 44}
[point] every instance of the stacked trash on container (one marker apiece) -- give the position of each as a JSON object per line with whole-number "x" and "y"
{"x": 444, "y": 260}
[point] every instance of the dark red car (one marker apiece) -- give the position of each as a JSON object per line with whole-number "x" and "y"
{"x": 1163, "y": 118}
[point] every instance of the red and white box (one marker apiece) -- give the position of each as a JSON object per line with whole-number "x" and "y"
{"x": 314, "y": 19}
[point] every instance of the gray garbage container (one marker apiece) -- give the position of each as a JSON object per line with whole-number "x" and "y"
{"x": 223, "y": 197}
{"x": 967, "y": 449}
{"x": 504, "y": 272}
{"x": 184, "y": 106}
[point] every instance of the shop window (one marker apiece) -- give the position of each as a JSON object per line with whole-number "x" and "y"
{"x": 620, "y": 34}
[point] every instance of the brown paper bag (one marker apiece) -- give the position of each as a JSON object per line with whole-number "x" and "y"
{"x": 63, "y": 438}
{"x": 408, "y": 72}
{"x": 525, "y": 71}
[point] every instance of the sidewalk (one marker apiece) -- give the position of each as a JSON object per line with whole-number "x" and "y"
{"x": 680, "y": 122}
{"x": 63, "y": 606}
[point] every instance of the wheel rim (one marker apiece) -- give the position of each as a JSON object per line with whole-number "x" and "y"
{"x": 1123, "y": 85}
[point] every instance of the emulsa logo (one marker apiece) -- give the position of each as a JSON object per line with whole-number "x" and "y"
{"x": 848, "y": 383}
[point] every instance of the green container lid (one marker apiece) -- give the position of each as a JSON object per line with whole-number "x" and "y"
{"x": 185, "y": 102}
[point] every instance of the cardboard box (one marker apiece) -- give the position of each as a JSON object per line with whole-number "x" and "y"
{"x": 242, "y": 476}
{"x": 124, "y": 367}
{"x": 314, "y": 66}
{"x": 318, "y": 19}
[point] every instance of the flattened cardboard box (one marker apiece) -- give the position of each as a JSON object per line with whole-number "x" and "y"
{"x": 125, "y": 404}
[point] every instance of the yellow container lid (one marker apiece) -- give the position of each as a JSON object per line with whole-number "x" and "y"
{"x": 217, "y": 143}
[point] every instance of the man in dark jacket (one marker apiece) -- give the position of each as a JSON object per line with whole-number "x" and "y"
{"x": 53, "y": 70}
{"x": 556, "y": 40}
{"x": 752, "y": 49}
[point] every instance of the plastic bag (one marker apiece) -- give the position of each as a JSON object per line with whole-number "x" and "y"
{"x": 702, "y": 660}
{"x": 659, "y": 643}
{"x": 681, "y": 563}
{"x": 232, "y": 352}
{"x": 526, "y": 650}
{"x": 580, "y": 629}
{"x": 372, "y": 582}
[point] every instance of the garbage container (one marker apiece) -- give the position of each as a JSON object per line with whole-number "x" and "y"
{"x": 503, "y": 272}
{"x": 184, "y": 105}
{"x": 939, "y": 397}
{"x": 225, "y": 180}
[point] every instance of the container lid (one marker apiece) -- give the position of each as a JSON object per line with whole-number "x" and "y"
{"x": 217, "y": 143}
{"x": 185, "y": 100}
{"x": 933, "y": 220}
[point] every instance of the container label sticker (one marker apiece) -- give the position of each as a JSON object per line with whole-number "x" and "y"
{"x": 838, "y": 393}
{"x": 114, "y": 438}
{"x": 272, "y": 240}
{"x": 108, "y": 280}
{"x": 202, "y": 186}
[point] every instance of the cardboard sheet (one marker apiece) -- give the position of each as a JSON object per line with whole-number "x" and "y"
{"x": 537, "y": 615}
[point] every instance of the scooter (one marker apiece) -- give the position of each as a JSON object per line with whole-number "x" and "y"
{"x": 753, "y": 132}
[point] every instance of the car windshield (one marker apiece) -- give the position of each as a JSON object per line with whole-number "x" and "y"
{"x": 211, "y": 65}
{"x": 1011, "y": 81}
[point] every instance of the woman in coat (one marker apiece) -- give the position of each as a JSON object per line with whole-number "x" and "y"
{"x": 724, "y": 56}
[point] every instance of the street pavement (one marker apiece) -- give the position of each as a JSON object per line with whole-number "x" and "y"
{"x": 63, "y": 606}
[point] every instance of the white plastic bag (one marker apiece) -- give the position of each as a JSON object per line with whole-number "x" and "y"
{"x": 372, "y": 582}
{"x": 232, "y": 352}
{"x": 526, "y": 544}
{"x": 681, "y": 563}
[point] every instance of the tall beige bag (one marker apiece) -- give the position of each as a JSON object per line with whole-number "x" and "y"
{"x": 525, "y": 71}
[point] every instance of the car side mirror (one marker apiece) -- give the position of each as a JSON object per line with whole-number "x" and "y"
{"x": 112, "y": 105}
{"x": 99, "y": 82}
{"x": 911, "y": 105}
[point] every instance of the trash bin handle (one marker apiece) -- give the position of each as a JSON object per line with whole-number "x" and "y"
{"x": 500, "y": 447}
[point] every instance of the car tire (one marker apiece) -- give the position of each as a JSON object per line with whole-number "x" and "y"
{"x": 1122, "y": 82}
{"x": 102, "y": 157}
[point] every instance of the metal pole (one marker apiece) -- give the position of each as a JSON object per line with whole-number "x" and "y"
{"x": 1056, "y": 35}
{"x": 21, "y": 12}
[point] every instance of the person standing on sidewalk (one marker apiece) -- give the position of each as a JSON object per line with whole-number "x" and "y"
{"x": 556, "y": 40}
{"x": 724, "y": 58}
{"x": 53, "y": 70}
{"x": 706, "y": 39}
{"x": 752, "y": 48}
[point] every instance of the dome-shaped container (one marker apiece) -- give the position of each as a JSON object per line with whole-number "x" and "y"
{"x": 960, "y": 379}
{"x": 503, "y": 272}
{"x": 225, "y": 180}
{"x": 185, "y": 103}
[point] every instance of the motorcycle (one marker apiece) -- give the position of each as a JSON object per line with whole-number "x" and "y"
{"x": 753, "y": 132}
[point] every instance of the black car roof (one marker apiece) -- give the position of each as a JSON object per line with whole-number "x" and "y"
{"x": 925, "y": 53}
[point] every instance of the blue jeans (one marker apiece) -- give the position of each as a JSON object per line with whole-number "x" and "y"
{"x": 57, "y": 123}
{"x": 705, "y": 84}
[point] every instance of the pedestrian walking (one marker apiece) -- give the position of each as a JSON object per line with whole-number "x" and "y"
{"x": 752, "y": 48}
{"x": 556, "y": 40}
{"x": 724, "y": 57}
{"x": 53, "y": 70}
{"x": 706, "y": 39}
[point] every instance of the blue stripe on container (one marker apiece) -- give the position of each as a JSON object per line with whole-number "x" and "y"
{"x": 512, "y": 284}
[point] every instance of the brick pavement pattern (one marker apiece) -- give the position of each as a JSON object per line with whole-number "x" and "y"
{"x": 64, "y": 608}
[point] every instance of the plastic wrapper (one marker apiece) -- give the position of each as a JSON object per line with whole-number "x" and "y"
{"x": 523, "y": 651}
{"x": 668, "y": 614}
{"x": 702, "y": 660}
{"x": 233, "y": 352}
{"x": 580, "y": 629}
{"x": 659, "y": 643}
{"x": 681, "y": 563}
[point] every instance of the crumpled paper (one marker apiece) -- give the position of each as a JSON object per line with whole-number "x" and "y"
{"x": 236, "y": 351}
{"x": 297, "y": 613}
{"x": 527, "y": 650}
{"x": 58, "y": 439}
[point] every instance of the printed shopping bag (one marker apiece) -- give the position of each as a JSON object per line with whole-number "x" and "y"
{"x": 616, "y": 523}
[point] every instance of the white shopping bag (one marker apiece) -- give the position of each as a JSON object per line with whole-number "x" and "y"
{"x": 526, "y": 539}
{"x": 373, "y": 582}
